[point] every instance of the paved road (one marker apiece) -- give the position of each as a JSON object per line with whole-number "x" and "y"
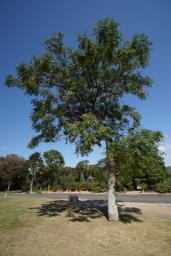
{"x": 139, "y": 198}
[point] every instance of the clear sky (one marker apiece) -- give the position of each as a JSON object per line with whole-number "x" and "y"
{"x": 24, "y": 24}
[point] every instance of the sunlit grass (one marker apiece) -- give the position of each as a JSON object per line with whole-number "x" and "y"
{"x": 37, "y": 226}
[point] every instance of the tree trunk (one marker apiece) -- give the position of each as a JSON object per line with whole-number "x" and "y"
{"x": 31, "y": 185}
{"x": 9, "y": 185}
{"x": 113, "y": 214}
{"x": 48, "y": 187}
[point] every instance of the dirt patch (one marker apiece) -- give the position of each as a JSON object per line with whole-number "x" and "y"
{"x": 160, "y": 211}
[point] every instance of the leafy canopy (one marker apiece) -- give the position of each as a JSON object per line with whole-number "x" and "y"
{"x": 78, "y": 92}
{"x": 53, "y": 158}
{"x": 11, "y": 166}
{"x": 36, "y": 159}
{"x": 138, "y": 158}
{"x": 35, "y": 163}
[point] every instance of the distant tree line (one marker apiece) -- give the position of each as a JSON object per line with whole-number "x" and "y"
{"x": 139, "y": 165}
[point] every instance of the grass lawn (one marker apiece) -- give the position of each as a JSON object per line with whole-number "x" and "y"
{"x": 34, "y": 226}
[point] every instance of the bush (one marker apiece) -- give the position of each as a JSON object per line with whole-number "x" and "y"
{"x": 72, "y": 186}
{"x": 162, "y": 187}
{"x": 56, "y": 187}
{"x": 120, "y": 186}
{"x": 26, "y": 185}
{"x": 92, "y": 186}
{"x": 97, "y": 187}
{"x": 143, "y": 186}
{"x": 84, "y": 186}
{"x": 37, "y": 190}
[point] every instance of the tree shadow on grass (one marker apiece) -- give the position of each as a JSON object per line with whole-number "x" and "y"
{"x": 129, "y": 214}
{"x": 85, "y": 211}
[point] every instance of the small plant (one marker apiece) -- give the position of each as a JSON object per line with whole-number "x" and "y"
{"x": 143, "y": 187}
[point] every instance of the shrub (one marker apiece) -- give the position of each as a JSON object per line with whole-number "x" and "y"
{"x": 72, "y": 186}
{"x": 56, "y": 187}
{"x": 92, "y": 186}
{"x": 84, "y": 186}
{"x": 143, "y": 186}
{"x": 87, "y": 185}
{"x": 98, "y": 187}
{"x": 37, "y": 190}
{"x": 120, "y": 186}
{"x": 162, "y": 187}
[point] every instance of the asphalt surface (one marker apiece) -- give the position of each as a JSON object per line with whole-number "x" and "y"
{"x": 138, "y": 198}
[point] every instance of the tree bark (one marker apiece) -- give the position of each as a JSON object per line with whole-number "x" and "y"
{"x": 9, "y": 185}
{"x": 31, "y": 185}
{"x": 113, "y": 214}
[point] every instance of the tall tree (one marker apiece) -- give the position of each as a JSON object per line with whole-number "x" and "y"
{"x": 78, "y": 92}
{"x": 138, "y": 159}
{"x": 146, "y": 160}
{"x": 35, "y": 162}
{"x": 54, "y": 160}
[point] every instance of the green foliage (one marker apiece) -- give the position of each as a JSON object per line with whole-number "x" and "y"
{"x": 53, "y": 158}
{"x": 162, "y": 187}
{"x": 98, "y": 187}
{"x": 12, "y": 167}
{"x": 143, "y": 186}
{"x": 54, "y": 162}
{"x": 149, "y": 160}
{"x": 70, "y": 178}
{"x": 56, "y": 187}
{"x": 91, "y": 186}
{"x": 34, "y": 163}
{"x": 77, "y": 92}
{"x": 85, "y": 186}
{"x": 138, "y": 160}
{"x": 80, "y": 186}
{"x": 36, "y": 159}
{"x": 138, "y": 163}
{"x": 82, "y": 178}
{"x": 67, "y": 181}
{"x": 26, "y": 184}
{"x": 37, "y": 190}
{"x": 99, "y": 174}
{"x": 82, "y": 170}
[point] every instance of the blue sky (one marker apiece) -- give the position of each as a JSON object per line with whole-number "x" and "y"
{"x": 24, "y": 24}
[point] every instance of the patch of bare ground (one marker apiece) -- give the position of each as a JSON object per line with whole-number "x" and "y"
{"x": 57, "y": 228}
{"x": 160, "y": 211}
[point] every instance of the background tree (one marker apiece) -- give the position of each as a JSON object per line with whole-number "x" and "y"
{"x": 53, "y": 160}
{"x": 82, "y": 170}
{"x": 11, "y": 166}
{"x": 146, "y": 161}
{"x": 78, "y": 92}
{"x": 19, "y": 181}
{"x": 138, "y": 160}
{"x": 100, "y": 176}
{"x": 35, "y": 162}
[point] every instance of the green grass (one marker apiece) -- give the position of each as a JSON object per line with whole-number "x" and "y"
{"x": 12, "y": 215}
{"x": 16, "y": 213}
